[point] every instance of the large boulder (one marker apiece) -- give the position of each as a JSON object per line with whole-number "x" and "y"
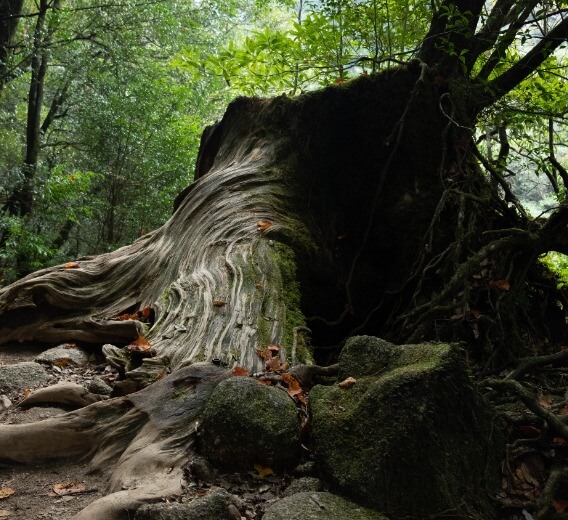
{"x": 410, "y": 437}
{"x": 246, "y": 423}
{"x": 319, "y": 506}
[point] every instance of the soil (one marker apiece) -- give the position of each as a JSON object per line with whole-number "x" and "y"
{"x": 33, "y": 485}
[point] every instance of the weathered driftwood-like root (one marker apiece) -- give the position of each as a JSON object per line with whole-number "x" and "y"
{"x": 66, "y": 394}
{"x": 142, "y": 441}
{"x": 525, "y": 365}
{"x": 531, "y": 402}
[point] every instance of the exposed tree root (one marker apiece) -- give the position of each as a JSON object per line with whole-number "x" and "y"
{"x": 142, "y": 440}
{"x": 524, "y": 365}
{"x": 67, "y": 394}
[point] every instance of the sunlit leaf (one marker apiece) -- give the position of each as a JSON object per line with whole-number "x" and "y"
{"x": 6, "y": 492}
{"x": 71, "y": 265}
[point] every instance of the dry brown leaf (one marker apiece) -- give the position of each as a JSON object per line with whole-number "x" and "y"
{"x": 293, "y": 384}
{"x": 140, "y": 344}
{"x": 4, "y": 513}
{"x": 219, "y": 303}
{"x": 347, "y": 383}
{"x": 67, "y": 488}
{"x": 145, "y": 312}
{"x": 545, "y": 401}
{"x": 6, "y": 492}
{"x": 71, "y": 265}
{"x": 262, "y": 225}
{"x": 560, "y": 506}
{"x": 503, "y": 285}
{"x": 240, "y": 372}
{"x": 63, "y": 362}
{"x": 263, "y": 471}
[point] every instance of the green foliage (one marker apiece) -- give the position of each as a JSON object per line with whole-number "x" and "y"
{"x": 558, "y": 264}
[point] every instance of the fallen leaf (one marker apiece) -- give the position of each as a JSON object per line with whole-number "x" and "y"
{"x": 4, "y": 513}
{"x": 560, "y": 506}
{"x": 63, "y": 362}
{"x": 560, "y": 441}
{"x": 71, "y": 265}
{"x": 347, "y": 383}
{"x": 140, "y": 344}
{"x": 263, "y": 471}
{"x": 68, "y": 488}
{"x": 503, "y": 285}
{"x": 263, "y": 225}
{"x": 529, "y": 432}
{"x": 240, "y": 372}
{"x": 545, "y": 401}
{"x": 339, "y": 80}
{"x": 259, "y": 286}
{"x": 70, "y": 345}
{"x": 219, "y": 303}
{"x": 145, "y": 312}
{"x": 293, "y": 384}
{"x": 6, "y": 492}
{"x": 26, "y": 392}
{"x": 263, "y": 381}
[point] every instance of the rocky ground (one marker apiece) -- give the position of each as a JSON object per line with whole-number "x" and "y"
{"x": 59, "y": 489}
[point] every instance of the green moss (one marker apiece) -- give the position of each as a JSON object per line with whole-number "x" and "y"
{"x": 291, "y": 295}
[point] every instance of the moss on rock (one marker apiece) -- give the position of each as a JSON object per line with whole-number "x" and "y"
{"x": 247, "y": 423}
{"x": 413, "y": 439}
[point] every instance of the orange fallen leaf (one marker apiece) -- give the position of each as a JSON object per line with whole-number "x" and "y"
{"x": 347, "y": 383}
{"x": 240, "y": 372}
{"x": 145, "y": 312}
{"x": 26, "y": 392}
{"x": 71, "y": 265}
{"x": 140, "y": 344}
{"x": 63, "y": 362}
{"x": 560, "y": 506}
{"x": 293, "y": 384}
{"x": 263, "y": 381}
{"x": 263, "y": 471}
{"x": 6, "y": 492}
{"x": 219, "y": 303}
{"x": 70, "y": 345}
{"x": 263, "y": 225}
{"x": 503, "y": 285}
{"x": 68, "y": 488}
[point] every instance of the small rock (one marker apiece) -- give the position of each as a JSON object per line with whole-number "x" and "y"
{"x": 64, "y": 354}
{"x": 21, "y": 376}
{"x": 98, "y": 386}
{"x": 5, "y": 403}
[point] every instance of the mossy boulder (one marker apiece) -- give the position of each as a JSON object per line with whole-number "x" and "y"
{"x": 246, "y": 423}
{"x": 411, "y": 437}
{"x": 319, "y": 506}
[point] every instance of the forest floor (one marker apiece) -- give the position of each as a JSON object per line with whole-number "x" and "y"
{"x": 27, "y": 491}
{"x": 61, "y": 488}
